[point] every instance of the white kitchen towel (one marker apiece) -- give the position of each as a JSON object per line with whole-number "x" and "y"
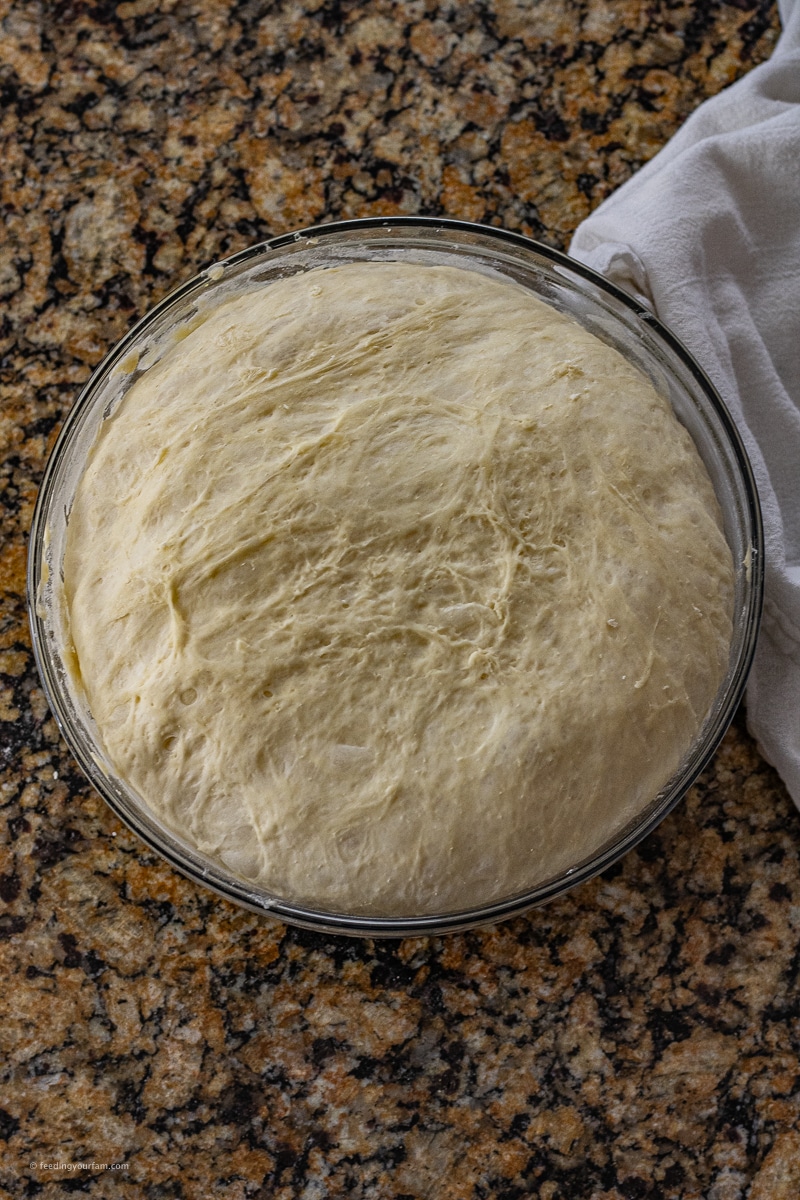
{"x": 707, "y": 234}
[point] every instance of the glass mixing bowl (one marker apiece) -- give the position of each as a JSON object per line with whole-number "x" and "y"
{"x": 567, "y": 285}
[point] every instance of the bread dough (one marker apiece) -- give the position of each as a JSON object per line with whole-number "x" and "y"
{"x": 396, "y": 590}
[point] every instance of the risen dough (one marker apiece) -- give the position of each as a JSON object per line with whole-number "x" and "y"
{"x": 396, "y": 590}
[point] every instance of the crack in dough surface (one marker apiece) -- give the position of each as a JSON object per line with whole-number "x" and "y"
{"x": 396, "y": 590}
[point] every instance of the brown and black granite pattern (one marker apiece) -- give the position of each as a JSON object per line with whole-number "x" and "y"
{"x": 639, "y": 1038}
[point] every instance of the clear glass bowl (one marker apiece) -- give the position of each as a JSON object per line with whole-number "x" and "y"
{"x": 567, "y": 285}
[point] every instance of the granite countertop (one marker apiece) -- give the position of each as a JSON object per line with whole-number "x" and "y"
{"x": 637, "y": 1038}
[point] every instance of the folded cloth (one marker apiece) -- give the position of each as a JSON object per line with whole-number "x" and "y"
{"x": 707, "y": 235}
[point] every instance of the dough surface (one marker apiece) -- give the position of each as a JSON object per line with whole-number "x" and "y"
{"x": 395, "y": 590}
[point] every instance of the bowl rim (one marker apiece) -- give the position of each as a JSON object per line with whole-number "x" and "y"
{"x": 257, "y": 899}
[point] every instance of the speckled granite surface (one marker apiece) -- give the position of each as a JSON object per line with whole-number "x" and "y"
{"x": 639, "y": 1038}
